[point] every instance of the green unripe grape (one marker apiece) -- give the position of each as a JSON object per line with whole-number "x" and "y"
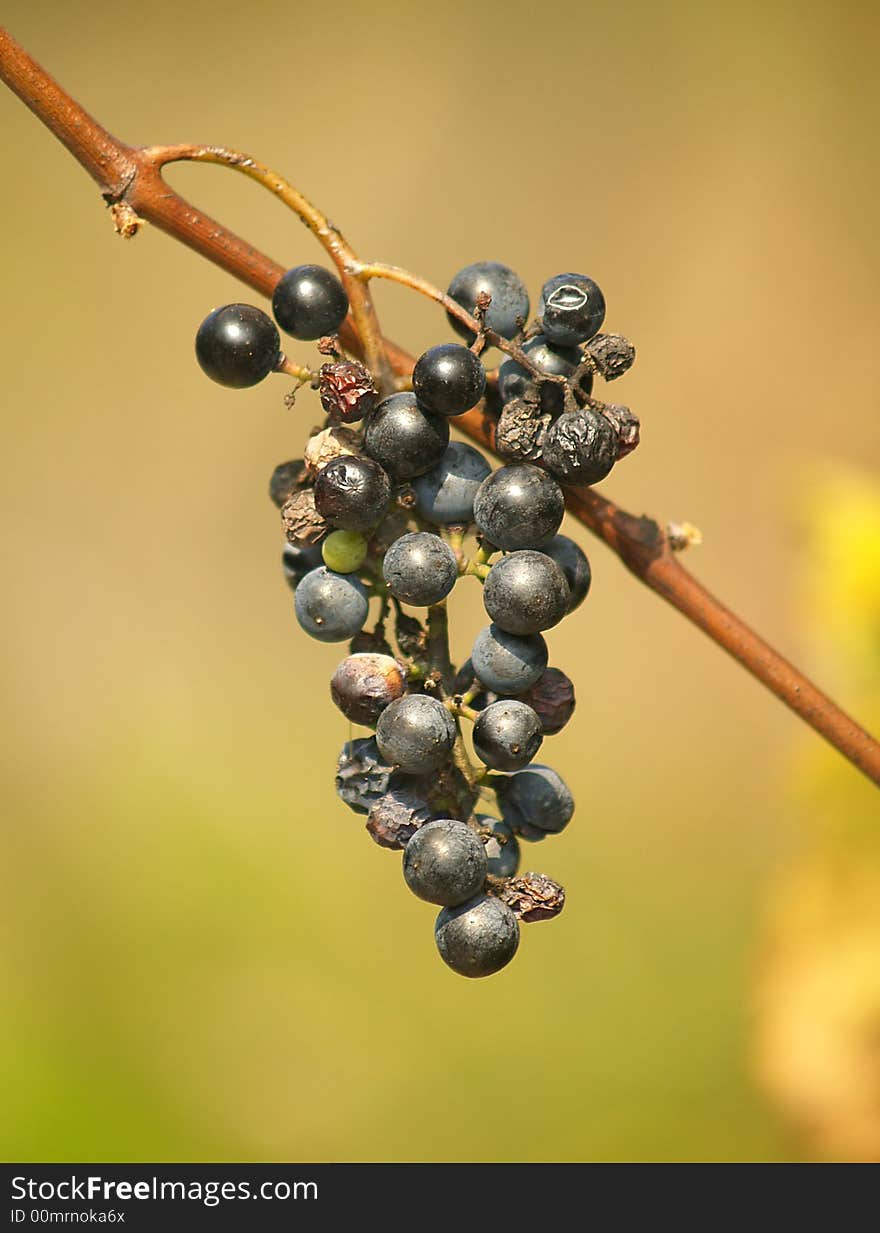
{"x": 344, "y": 551}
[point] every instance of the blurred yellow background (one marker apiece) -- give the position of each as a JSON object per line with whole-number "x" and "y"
{"x": 204, "y": 957}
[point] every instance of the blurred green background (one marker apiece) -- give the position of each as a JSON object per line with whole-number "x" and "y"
{"x": 203, "y": 954}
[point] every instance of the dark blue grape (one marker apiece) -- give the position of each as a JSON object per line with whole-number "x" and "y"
{"x": 571, "y": 309}
{"x": 514, "y": 381}
{"x": 509, "y": 310}
{"x": 416, "y": 733}
{"x": 445, "y": 862}
{"x": 352, "y": 492}
{"x": 572, "y": 560}
{"x": 446, "y": 493}
{"x": 449, "y": 379}
{"x": 506, "y": 663}
{"x": 526, "y": 592}
{"x": 285, "y": 481}
{"x": 507, "y": 735}
{"x": 478, "y": 937}
{"x": 403, "y": 438}
{"x": 502, "y": 849}
{"x": 237, "y": 345}
{"x": 535, "y": 802}
{"x": 309, "y": 302}
{"x": 298, "y": 561}
{"x": 331, "y": 607}
{"x": 519, "y": 506}
{"x": 420, "y": 568}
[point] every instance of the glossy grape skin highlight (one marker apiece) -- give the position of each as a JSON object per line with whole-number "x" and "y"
{"x": 571, "y": 309}
{"x": 237, "y": 346}
{"x": 449, "y": 379}
{"x": 309, "y": 302}
{"x": 519, "y": 506}
{"x": 404, "y": 438}
{"x": 352, "y": 492}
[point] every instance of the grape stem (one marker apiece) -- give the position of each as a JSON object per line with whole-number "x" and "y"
{"x": 132, "y": 185}
{"x": 456, "y": 706}
{"x": 415, "y": 282}
{"x": 439, "y": 662}
{"x": 455, "y": 539}
{"x": 363, "y": 313}
{"x": 305, "y": 376}
{"x": 468, "y": 696}
{"x": 438, "y": 644}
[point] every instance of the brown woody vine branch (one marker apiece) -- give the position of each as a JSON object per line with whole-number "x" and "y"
{"x": 130, "y": 179}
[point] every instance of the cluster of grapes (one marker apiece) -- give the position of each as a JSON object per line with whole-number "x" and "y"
{"x": 383, "y": 504}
